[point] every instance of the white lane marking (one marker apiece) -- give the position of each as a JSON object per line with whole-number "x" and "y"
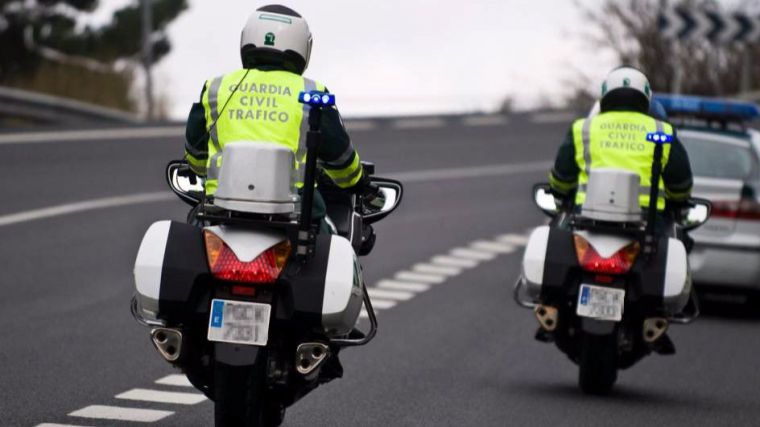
{"x": 478, "y": 121}
{"x": 392, "y": 295}
{"x": 419, "y": 123}
{"x": 420, "y": 277}
{"x": 57, "y": 425}
{"x": 70, "y": 208}
{"x": 472, "y": 172}
{"x": 141, "y": 198}
{"x": 436, "y": 269}
{"x": 556, "y": 117}
{"x": 177, "y": 398}
{"x": 402, "y": 286}
{"x": 121, "y": 414}
{"x": 453, "y": 261}
{"x": 472, "y": 254}
{"x": 382, "y": 304}
{"x": 502, "y": 248}
{"x": 514, "y": 239}
{"x": 178, "y": 380}
{"x": 360, "y": 125}
{"x": 93, "y": 135}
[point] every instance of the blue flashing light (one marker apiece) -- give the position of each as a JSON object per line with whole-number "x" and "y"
{"x": 316, "y": 99}
{"x": 659, "y": 138}
{"x": 708, "y": 108}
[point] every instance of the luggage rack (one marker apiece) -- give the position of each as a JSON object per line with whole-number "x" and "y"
{"x": 635, "y": 228}
{"x": 214, "y": 214}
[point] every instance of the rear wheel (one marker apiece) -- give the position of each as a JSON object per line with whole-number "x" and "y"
{"x": 238, "y": 392}
{"x": 598, "y": 363}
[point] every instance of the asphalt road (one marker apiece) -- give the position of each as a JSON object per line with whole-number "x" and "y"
{"x": 459, "y": 354}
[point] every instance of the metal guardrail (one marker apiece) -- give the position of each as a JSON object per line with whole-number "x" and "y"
{"x": 54, "y": 110}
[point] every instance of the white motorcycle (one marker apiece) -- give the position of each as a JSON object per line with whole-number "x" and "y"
{"x": 254, "y": 304}
{"x": 605, "y": 282}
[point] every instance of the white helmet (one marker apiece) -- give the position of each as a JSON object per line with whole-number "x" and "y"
{"x": 276, "y": 35}
{"x": 626, "y": 86}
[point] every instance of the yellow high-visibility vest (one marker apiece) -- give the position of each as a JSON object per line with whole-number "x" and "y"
{"x": 618, "y": 140}
{"x": 261, "y": 107}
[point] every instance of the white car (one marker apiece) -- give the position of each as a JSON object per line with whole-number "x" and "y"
{"x": 725, "y": 160}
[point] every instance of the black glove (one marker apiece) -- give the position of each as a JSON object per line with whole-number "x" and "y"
{"x": 361, "y": 186}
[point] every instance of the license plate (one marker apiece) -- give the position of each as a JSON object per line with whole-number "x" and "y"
{"x": 599, "y": 302}
{"x": 239, "y": 322}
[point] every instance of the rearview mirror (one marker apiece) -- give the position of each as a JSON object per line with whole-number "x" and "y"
{"x": 392, "y": 193}
{"x": 544, "y": 199}
{"x": 180, "y": 179}
{"x": 696, "y": 215}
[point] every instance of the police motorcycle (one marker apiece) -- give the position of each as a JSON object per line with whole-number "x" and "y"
{"x": 607, "y": 281}
{"x": 255, "y": 304}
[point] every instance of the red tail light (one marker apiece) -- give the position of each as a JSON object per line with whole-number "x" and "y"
{"x": 264, "y": 269}
{"x": 748, "y": 206}
{"x": 619, "y": 263}
{"x": 745, "y": 209}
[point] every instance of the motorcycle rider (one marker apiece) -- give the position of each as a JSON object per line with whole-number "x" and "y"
{"x": 616, "y": 138}
{"x": 259, "y": 102}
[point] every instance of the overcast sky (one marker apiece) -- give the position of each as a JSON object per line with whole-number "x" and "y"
{"x": 400, "y": 56}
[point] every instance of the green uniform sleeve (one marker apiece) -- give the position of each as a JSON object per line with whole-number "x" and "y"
{"x": 196, "y": 138}
{"x": 337, "y": 155}
{"x": 677, "y": 174}
{"x": 564, "y": 175}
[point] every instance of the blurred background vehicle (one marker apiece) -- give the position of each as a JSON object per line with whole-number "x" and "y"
{"x": 725, "y": 158}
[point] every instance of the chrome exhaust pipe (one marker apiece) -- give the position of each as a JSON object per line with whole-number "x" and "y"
{"x": 654, "y": 328}
{"x": 547, "y": 317}
{"x": 309, "y": 357}
{"x": 168, "y": 342}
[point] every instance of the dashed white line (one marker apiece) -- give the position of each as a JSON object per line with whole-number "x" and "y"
{"x": 513, "y": 238}
{"x": 421, "y": 123}
{"x": 454, "y": 261}
{"x": 478, "y": 121}
{"x": 556, "y": 117}
{"x": 407, "y": 284}
{"x": 177, "y": 398}
{"x": 174, "y": 380}
{"x": 501, "y": 248}
{"x": 382, "y": 304}
{"x": 360, "y": 125}
{"x": 121, "y": 414}
{"x": 472, "y": 254}
{"x": 392, "y": 295}
{"x": 402, "y": 286}
{"x": 420, "y": 277}
{"x": 436, "y": 269}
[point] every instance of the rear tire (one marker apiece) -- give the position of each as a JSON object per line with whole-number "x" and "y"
{"x": 238, "y": 394}
{"x": 598, "y": 364}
